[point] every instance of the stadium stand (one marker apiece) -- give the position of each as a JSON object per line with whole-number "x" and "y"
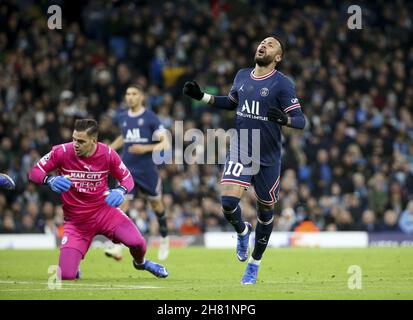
{"x": 351, "y": 169}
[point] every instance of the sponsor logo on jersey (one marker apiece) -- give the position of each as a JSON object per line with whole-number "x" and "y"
{"x": 134, "y": 135}
{"x": 254, "y": 108}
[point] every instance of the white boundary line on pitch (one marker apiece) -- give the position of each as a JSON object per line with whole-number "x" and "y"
{"x": 72, "y": 289}
{"x": 82, "y": 286}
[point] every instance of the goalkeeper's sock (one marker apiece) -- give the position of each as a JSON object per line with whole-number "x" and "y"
{"x": 138, "y": 254}
{"x": 163, "y": 223}
{"x": 263, "y": 230}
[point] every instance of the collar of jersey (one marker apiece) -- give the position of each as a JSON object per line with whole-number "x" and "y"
{"x": 265, "y": 76}
{"x": 137, "y": 114}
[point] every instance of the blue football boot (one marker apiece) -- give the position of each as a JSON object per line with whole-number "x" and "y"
{"x": 243, "y": 244}
{"x": 250, "y": 275}
{"x": 156, "y": 269}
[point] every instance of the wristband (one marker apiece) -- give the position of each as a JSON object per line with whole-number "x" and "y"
{"x": 45, "y": 179}
{"x": 206, "y": 98}
{"x": 125, "y": 191}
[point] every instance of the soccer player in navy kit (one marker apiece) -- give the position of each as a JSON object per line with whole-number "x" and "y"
{"x": 264, "y": 99}
{"x": 138, "y": 126}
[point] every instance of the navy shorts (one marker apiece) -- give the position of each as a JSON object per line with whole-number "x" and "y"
{"x": 149, "y": 183}
{"x": 266, "y": 181}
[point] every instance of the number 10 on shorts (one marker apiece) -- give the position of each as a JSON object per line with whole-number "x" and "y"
{"x": 234, "y": 169}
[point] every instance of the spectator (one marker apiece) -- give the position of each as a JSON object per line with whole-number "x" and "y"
{"x": 368, "y": 221}
{"x": 406, "y": 219}
{"x": 390, "y": 222}
{"x": 286, "y": 220}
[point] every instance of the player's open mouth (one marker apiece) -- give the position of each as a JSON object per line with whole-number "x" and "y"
{"x": 261, "y": 52}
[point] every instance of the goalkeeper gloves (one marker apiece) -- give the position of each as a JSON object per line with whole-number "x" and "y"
{"x": 192, "y": 89}
{"x": 115, "y": 197}
{"x": 276, "y": 115}
{"x": 58, "y": 184}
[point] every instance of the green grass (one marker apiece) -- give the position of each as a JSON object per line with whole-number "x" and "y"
{"x": 199, "y": 273}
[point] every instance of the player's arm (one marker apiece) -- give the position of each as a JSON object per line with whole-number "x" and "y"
{"x": 159, "y": 133}
{"x": 117, "y": 143}
{"x": 120, "y": 172}
{"x": 291, "y": 114}
{"x": 49, "y": 162}
{"x": 293, "y": 119}
{"x": 192, "y": 89}
{"x": 163, "y": 144}
{"x": 117, "y": 168}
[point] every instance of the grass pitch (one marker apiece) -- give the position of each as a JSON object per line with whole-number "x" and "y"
{"x": 199, "y": 273}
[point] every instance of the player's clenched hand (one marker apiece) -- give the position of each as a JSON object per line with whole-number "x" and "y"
{"x": 192, "y": 89}
{"x": 276, "y": 115}
{"x": 138, "y": 148}
{"x": 59, "y": 184}
{"x": 115, "y": 197}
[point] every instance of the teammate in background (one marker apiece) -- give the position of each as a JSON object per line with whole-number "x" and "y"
{"x": 138, "y": 126}
{"x": 265, "y": 99}
{"x": 89, "y": 207}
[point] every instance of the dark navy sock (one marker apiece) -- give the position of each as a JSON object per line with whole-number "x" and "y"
{"x": 263, "y": 232}
{"x": 163, "y": 223}
{"x": 232, "y": 212}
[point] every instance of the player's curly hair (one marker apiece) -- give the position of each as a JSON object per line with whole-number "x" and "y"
{"x": 88, "y": 125}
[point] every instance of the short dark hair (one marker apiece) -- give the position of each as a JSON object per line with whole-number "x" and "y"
{"x": 280, "y": 42}
{"x": 136, "y": 86}
{"x": 88, "y": 125}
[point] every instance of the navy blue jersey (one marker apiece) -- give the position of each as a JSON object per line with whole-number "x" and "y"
{"x": 254, "y": 96}
{"x": 138, "y": 129}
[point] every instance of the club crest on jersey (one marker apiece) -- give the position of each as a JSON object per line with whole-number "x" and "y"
{"x": 140, "y": 122}
{"x": 264, "y": 92}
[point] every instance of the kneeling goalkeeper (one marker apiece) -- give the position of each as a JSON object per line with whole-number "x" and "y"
{"x": 89, "y": 207}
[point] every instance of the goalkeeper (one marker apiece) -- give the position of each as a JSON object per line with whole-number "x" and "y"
{"x": 89, "y": 207}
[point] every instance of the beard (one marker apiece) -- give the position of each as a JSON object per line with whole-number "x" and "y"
{"x": 264, "y": 61}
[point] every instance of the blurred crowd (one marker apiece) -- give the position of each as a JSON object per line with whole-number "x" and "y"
{"x": 351, "y": 169}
